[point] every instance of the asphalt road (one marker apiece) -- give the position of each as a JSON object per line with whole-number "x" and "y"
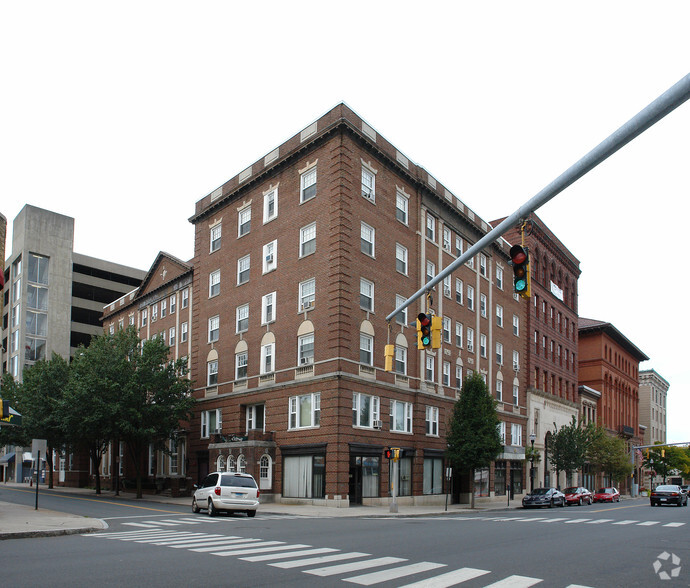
{"x": 151, "y": 544}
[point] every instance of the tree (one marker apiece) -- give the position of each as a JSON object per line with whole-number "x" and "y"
{"x": 40, "y": 398}
{"x": 567, "y": 451}
{"x": 154, "y": 401}
{"x": 666, "y": 459}
{"x": 473, "y": 437}
{"x": 607, "y": 454}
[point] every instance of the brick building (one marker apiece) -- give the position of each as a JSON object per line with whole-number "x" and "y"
{"x": 298, "y": 260}
{"x": 550, "y": 320}
{"x": 609, "y": 363}
{"x": 653, "y": 394}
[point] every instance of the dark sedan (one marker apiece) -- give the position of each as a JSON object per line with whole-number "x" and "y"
{"x": 577, "y": 495}
{"x": 668, "y": 494}
{"x": 544, "y": 497}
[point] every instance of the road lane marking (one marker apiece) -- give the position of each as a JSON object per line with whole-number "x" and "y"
{"x": 354, "y": 566}
{"x": 648, "y": 523}
{"x": 554, "y": 520}
{"x": 293, "y": 554}
{"x": 674, "y": 524}
{"x": 515, "y": 582}
{"x": 449, "y": 579}
{"x": 626, "y": 522}
{"x": 249, "y": 551}
{"x": 599, "y": 521}
{"x": 577, "y": 521}
{"x": 393, "y": 574}
{"x": 230, "y": 543}
{"x": 319, "y": 560}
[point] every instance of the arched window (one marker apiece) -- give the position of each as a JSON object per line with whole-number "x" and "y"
{"x": 231, "y": 464}
{"x": 220, "y": 463}
{"x": 242, "y": 464}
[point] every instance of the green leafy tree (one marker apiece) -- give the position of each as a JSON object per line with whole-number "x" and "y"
{"x": 666, "y": 459}
{"x": 473, "y": 437}
{"x": 154, "y": 401}
{"x": 568, "y": 449}
{"x": 607, "y": 454}
{"x": 11, "y": 434}
{"x": 40, "y": 400}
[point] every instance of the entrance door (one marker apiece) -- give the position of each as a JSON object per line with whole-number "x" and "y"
{"x": 202, "y": 469}
{"x": 355, "y": 489}
{"x": 61, "y": 474}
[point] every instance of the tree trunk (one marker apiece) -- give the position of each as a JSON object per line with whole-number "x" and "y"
{"x": 472, "y": 488}
{"x": 49, "y": 462}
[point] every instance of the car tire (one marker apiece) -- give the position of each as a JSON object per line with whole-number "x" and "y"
{"x": 618, "y": 499}
{"x": 579, "y": 502}
{"x": 251, "y": 513}
{"x": 212, "y": 512}
{"x": 195, "y": 506}
{"x": 563, "y": 502}
{"x": 551, "y": 503}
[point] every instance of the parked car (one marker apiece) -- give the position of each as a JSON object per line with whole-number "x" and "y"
{"x": 685, "y": 487}
{"x": 544, "y": 497}
{"x": 226, "y": 491}
{"x": 577, "y": 495}
{"x": 668, "y": 494}
{"x": 609, "y": 494}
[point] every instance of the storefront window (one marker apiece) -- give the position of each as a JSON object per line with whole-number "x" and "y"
{"x": 500, "y": 478}
{"x": 433, "y": 475}
{"x": 481, "y": 482}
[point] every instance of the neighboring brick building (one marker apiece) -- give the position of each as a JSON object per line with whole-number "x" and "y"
{"x": 653, "y": 394}
{"x": 160, "y": 307}
{"x": 550, "y": 321}
{"x": 609, "y": 362}
{"x": 298, "y": 260}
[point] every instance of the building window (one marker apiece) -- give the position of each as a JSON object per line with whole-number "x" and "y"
{"x": 38, "y": 269}
{"x": 307, "y": 240}
{"x": 499, "y": 278}
{"x": 183, "y": 332}
{"x": 185, "y": 298}
{"x": 366, "y": 349}
{"x": 429, "y": 370}
{"x": 270, "y": 205}
{"x": 447, "y": 322}
{"x": 365, "y": 411}
{"x": 446, "y": 238}
{"x": 367, "y": 239}
{"x": 401, "y": 416}
{"x": 458, "y": 334}
{"x": 242, "y": 318}
{"x": 432, "y": 421}
{"x": 482, "y": 305}
{"x": 470, "y": 340}
{"x": 308, "y": 185}
{"x": 305, "y": 476}
{"x": 458, "y": 246}
{"x": 470, "y": 298}
{"x": 516, "y": 435}
{"x": 241, "y": 365}
{"x": 268, "y": 358}
{"x": 366, "y": 295}
{"x": 516, "y": 360}
{"x": 446, "y": 286}
{"x": 215, "y": 238}
{"x": 482, "y": 345}
{"x": 270, "y": 256}
{"x": 305, "y": 411}
{"x": 305, "y": 345}
{"x": 482, "y": 265}
{"x": 368, "y": 184}
{"x": 499, "y": 353}
{"x": 307, "y": 294}
{"x": 499, "y": 394}
{"x": 211, "y": 422}
{"x": 212, "y": 373}
{"x": 154, "y": 313}
{"x": 244, "y": 221}
{"x": 401, "y": 207}
{"x": 173, "y": 303}
{"x": 433, "y": 475}
{"x": 268, "y": 306}
{"x": 445, "y": 374}
{"x": 401, "y": 258}
{"x": 516, "y": 325}
{"x": 458, "y": 291}
{"x": 430, "y": 228}
{"x": 516, "y": 394}
{"x": 401, "y": 317}
{"x": 255, "y": 417}
{"x": 164, "y": 308}
{"x": 172, "y": 336}
{"x": 243, "y": 267}
{"x": 430, "y": 270}
{"x": 213, "y": 328}
{"x": 213, "y": 284}
{"x": 400, "y": 360}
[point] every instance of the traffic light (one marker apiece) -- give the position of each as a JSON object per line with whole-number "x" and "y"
{"x": 519, "y": 256}
{"x": 663, "y": 453}
{"x": 436, "y": 327}
{"x": 396, "y": 453}
{"x": 390, "y": 356}
{"x": 423, "y": 330}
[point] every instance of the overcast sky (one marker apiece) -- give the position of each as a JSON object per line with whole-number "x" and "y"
{"x": 124, "y": 114}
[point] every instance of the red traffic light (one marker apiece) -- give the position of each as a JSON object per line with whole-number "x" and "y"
{"x": 517, "y": 255}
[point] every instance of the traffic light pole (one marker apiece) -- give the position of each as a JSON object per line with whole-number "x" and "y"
{"x": 653, "y": 113}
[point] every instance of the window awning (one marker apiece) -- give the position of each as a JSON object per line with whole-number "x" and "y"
{"x": 7, "y": 458}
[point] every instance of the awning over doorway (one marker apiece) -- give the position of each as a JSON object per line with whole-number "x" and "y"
{"x": 7, "y": 458}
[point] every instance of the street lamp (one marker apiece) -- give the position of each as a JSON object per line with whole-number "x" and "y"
{"x": 532, "y": 439}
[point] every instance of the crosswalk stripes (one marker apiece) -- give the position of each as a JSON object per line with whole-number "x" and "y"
{"x": 545, "y": 520}
{"x": 352, "y": 567}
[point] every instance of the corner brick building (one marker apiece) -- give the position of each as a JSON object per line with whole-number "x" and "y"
{"x": 298, "y": 260}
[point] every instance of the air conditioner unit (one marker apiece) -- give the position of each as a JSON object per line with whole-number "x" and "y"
{"x": 516, "y": 367}
{"x": 306, "y": 360}
{"x": 269, "y": 258}
{"x": 307, "y": 305}
{"x": 217, "y": 431}
{"x": 378, "y": 424}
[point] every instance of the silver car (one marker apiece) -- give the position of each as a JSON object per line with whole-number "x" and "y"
{"x": 228, "y": 491}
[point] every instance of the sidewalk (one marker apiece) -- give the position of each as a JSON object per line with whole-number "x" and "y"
{"x": 17, "y": 521}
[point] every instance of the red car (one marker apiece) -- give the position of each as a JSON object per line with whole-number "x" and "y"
{"x": 577, "y": 495}
{"x": 607, "y": 495}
